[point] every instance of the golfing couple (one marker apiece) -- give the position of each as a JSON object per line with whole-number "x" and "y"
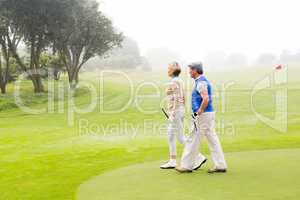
{"x": 203, "y": 122}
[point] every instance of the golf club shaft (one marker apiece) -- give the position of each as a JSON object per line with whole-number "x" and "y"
{"x": 165, "y": 113}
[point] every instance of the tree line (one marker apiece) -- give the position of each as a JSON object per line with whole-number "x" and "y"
{"x": 221, "y": 60}
{"x": 127, "y": 57}
{"x": 61, "y": 34}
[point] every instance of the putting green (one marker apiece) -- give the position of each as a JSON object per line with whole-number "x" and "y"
{"x": 259, "y": 175}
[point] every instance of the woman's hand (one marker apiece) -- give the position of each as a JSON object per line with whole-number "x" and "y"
{"x": 171, "y": 116}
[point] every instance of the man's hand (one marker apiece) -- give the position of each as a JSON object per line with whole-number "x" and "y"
{"x": 205, "y": 101}
{"x": 200, "y": 111}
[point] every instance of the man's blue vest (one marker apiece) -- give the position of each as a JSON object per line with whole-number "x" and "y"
{"x": 197, "y": 99}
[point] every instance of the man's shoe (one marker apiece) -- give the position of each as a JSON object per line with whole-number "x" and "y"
{"x": 199, "y": 164}
{"x": 183, "y": 170}
{"x": 215, "y": 170}
{"x": 169, "y": 165}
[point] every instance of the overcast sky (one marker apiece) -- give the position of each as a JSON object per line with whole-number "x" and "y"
{"x": 195, "y": 27}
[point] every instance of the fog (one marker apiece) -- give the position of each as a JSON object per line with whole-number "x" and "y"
{"x": 195, "y": 28}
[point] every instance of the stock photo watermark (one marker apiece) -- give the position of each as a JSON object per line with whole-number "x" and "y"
{"x": 97, "y": 93}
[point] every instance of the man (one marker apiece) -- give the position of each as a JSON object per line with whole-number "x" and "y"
{"x": 203, "y": 110}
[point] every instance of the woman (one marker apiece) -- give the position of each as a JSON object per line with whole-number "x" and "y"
{"x": 176, "y": 111}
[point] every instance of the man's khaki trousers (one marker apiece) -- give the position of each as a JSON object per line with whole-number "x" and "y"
{"x": 205, "y": 127}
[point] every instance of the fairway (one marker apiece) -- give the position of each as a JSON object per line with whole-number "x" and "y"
{"x": 265, "y": 175}
{"x": 113, "y": 100}
{"x": 42, "y": 157}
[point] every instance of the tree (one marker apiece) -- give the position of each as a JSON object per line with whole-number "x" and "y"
{"x": 159, "y": 58}
{"x": 33, "y": 21}
{"x": 8, "y": 73}
{"x": 52, "y": 64}
{"x": 236, "y": 60}
{"x": 297, "y": 57}
{"x": 86, "y": 32}
{"x": 3, "y": 76}
{"x": 215, "y": 60}
{"x": 145, "y": 66}
{"x": 288, "y": 57}
{"x": 8, "y": 37}
{"x": 126, "y": 57}
{"x": 267, "y": 59}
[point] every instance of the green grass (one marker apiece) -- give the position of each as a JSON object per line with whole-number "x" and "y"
{"x": 252, "y": 175}
{"x": 42, "y": 157}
